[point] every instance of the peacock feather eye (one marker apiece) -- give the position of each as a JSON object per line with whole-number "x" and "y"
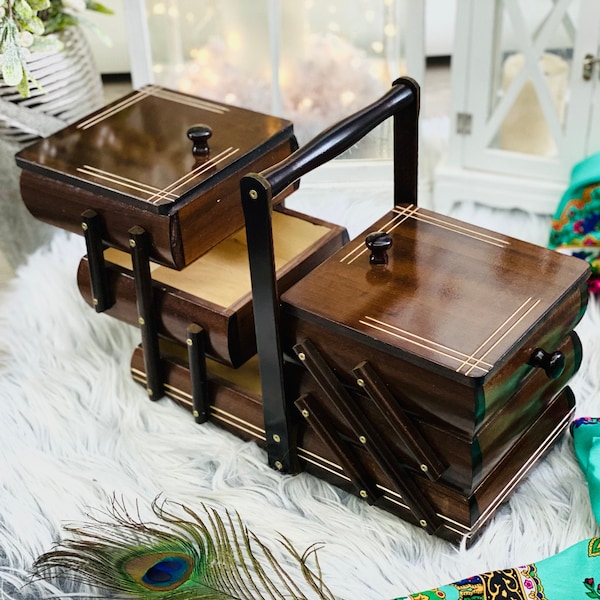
{"x": 160, "y": 571}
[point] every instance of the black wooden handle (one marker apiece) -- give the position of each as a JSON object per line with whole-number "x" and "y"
{"x": 339, "y": 137}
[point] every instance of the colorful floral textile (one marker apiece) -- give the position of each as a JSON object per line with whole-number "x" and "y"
{"x": 575, "y": 226}
{"x": 571, "y": 574}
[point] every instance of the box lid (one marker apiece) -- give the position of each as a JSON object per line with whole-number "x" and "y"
{"x": 138, "y": 150}
{"x": 454, "y": 297}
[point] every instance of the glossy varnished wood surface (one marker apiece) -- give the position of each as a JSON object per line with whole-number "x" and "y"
{"x": 457, "y": 298}
{"x": 137, "y": 150}
{"x": 134, "y": 166}
{"x": 467, "y": 459}
{"x": 214, "y": 291}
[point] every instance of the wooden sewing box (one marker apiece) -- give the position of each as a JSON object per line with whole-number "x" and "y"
{"x": 422, "y": 365}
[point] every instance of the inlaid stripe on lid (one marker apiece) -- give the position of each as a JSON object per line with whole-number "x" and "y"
{"x": 450, "y": 353}
{"x": 153, "y": 194}
{"x": 159, "y": 92}
{"x": 498, "y": 335}
{"x": 193, "y": 174}
{"x": 138, "y": 186}
{"x": 413, "y": 212}
{"x": 458, "y": 228}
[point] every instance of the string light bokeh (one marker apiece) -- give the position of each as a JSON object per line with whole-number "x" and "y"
{"x": 312, "y": 62}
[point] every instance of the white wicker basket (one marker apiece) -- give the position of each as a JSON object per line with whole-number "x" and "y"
{"x": 71, "y": 88}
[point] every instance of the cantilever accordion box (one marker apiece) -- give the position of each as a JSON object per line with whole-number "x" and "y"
{"x": 422, "y": 366}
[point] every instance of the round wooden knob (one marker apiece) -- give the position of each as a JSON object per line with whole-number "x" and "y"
{"x": 199, "y": 134}
{"x": 552, "y": 363}
{"x": 378, "y": 243}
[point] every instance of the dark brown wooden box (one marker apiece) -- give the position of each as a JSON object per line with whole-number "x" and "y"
{"x": 132, "y": 163}
{"x": 450, "y": 323}
{"x": 214, "y": 291}
{"x": 428, "y": 379}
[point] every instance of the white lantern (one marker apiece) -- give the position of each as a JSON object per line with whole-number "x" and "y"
{"x": 522, "y": 106}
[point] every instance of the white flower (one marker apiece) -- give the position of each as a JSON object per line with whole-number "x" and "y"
{"x": 74, "y": 5}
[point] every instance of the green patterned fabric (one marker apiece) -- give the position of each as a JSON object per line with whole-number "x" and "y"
{"x": 571, "y": 574}
{"x": 575, "y": 227}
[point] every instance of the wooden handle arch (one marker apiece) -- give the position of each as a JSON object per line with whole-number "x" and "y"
{"x": 258, "y": 190}
{"x": 400, "y": 102}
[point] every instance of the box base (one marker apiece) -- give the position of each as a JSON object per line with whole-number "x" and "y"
{"x": 235, "y": 405}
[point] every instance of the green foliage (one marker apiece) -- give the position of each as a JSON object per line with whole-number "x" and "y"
{"x": 23, "y": 26}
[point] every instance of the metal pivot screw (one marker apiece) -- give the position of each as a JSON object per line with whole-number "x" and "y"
{"x": 362, "y": 439}
{"x": 276, "y": 438}
{"x": 423, "y": 523}
{"x": 278, "y": 465}
{"x": 424, "y": 468}
{"x": 141, "y": 321}
{"x": 84, "y": 226}
{"x": 305, "y": 413}
{"x": 189, "y": 342}
{"x": 360, "y": 382}
{"x": 302, "y": 356}
{"x": 132, "y": 243}
{"x": 253, "y": 194}
{"x": 363, "y": 494}
{"x": 196, "y": 413}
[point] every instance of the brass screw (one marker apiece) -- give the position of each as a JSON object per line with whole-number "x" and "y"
{"x": 141, "y": 321}
{"x": 84, "y": 226}
{"x": 424, "y": 468}
{"x": 276, "y": 438}
{"x": 360, "y": 382}
{"x": 305, "y": 413}
{"x": 363, "y": 494}
{"x": 362, "y": 439}
{"x": 189, "y": 342}
{"x": 132, "y": 243}
{"x": 423, "y": 523}
{"x": 302, "y": 356}
{"x": 253, "y": 194}
{"x": 278, "y": 465}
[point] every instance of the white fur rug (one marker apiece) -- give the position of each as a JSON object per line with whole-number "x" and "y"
{"x": 77, "y": 430}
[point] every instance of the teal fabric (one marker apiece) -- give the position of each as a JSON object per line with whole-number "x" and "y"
{"x": 567, "y": 575}
{"x": 586, "y": 437}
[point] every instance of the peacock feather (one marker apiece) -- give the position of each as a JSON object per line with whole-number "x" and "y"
{"x": 180, "y": 558}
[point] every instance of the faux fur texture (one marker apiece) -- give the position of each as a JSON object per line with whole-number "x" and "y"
{"x": 77, "y": 430}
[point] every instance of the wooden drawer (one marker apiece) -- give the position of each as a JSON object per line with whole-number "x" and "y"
{"x": 214, "y": 291}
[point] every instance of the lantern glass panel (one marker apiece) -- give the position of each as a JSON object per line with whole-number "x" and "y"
{"x": 532, "y": 64}
{"x": 311, "y": 61}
